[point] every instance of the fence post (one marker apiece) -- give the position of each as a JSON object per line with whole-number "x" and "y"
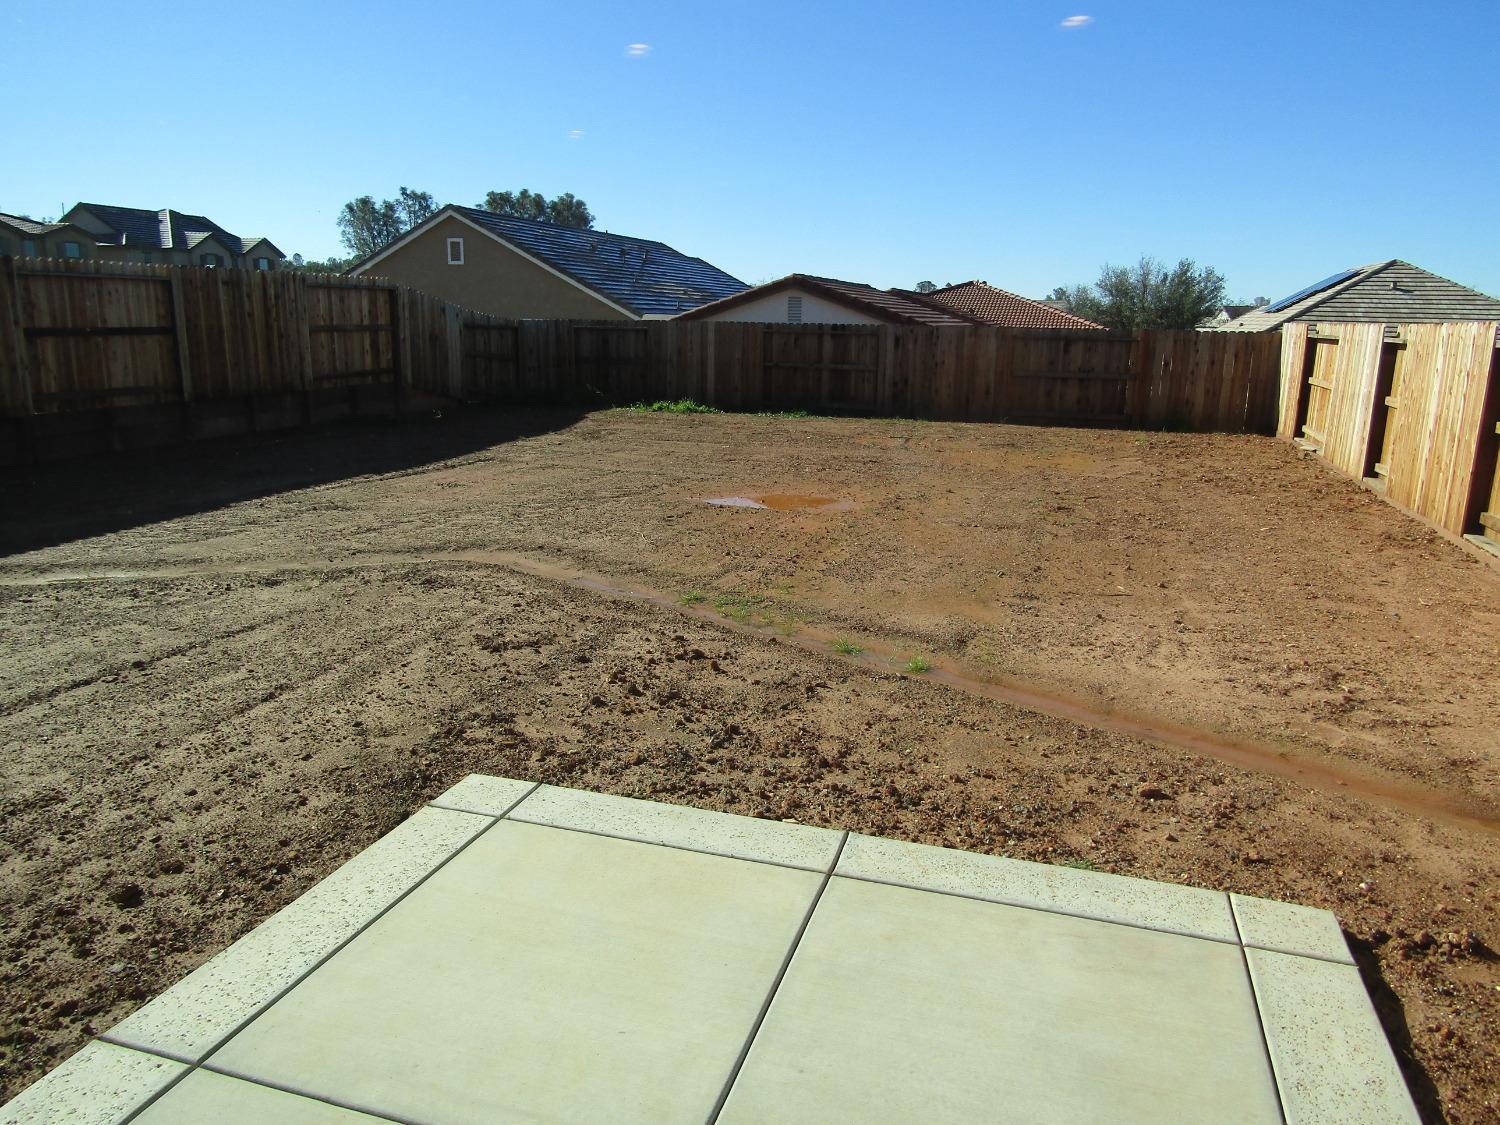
{"x": 455, "y": 335}
{"x": 1140, "y": 385}
{"x": 15, "y": 337}
{"x": 179, "y": 335}
{"x": 710, "y": 380}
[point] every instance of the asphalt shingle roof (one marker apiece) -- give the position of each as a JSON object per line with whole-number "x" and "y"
{"x": 988, "y": 305}
{"x": 648, "y": 278}
{"x": 161, "y": 230}
{"x": 1389, "y": 292}
{"x": 891, "y": 305}
{"x": 30, "y": 226}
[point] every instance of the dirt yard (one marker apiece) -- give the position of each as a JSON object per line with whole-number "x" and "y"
{"x": 1195, "y": 658}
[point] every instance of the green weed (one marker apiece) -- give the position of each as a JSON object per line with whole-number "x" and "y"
{"x": 1079, "y": 864}
{"x": 918, "y": 665}
{"x": 847, "y": 647}
{"x": 673, "y": 406}
{"x": 693, "y": 597}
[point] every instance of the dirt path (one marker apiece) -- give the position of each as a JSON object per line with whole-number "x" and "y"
{"x": 212, "y": 701}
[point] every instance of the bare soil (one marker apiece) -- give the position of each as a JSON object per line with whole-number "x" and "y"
{"x": 1198, "y": 658}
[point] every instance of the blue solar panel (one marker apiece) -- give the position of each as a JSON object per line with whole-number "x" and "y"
{"x": 1277, "y": 306}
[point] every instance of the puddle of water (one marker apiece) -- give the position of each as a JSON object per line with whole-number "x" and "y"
{"x": 1318, "y": 771}
{"x": 775, "y": 502}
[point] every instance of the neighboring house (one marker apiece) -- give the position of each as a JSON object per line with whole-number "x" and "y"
{"x": 133, "y": 234}
{"x": 800, "y": 298}
{"x": 1393, "y": 292}
{"x": 26, "y": 238}
{"x": 524, "y": 269}
{"x": 988, "y": 305}
{"x": 1227, "y": 313}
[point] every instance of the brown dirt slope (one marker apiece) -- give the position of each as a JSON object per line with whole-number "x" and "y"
{"x": 229, "y": 670}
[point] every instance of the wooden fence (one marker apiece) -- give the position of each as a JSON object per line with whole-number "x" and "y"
{"x": 1413, "y": 411}
{"x": 201, "y": 352}
{"x": 1189, "y": 380}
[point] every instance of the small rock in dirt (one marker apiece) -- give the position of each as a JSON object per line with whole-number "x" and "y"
{"x": 1153, "y": 793}
{"x": 127, "y": 896}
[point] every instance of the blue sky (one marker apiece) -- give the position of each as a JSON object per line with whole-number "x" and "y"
{"x": 876, "y": 142}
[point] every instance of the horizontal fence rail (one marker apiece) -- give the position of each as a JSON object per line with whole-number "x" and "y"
{"x": 1188, "y": 380}
{"x": 209, "y": 348}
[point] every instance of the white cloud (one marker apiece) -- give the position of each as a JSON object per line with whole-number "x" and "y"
{"x": 638, "y": 50}
{"x": 574, "y": 134}
{"x": 1077, "y": 21}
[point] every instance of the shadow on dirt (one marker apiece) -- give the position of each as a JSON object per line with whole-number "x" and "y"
{"x": 1392, "y": 1015}
{"x": 51, "y": 504}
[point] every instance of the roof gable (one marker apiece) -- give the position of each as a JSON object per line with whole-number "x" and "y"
{"x": 647, "y": 277}
{"x": 637, "y": 276}
{"x": 1389, "y": 292}
{"x": 986, "y": 304}
{"x": 160, "y": 230}
{"x": 891, "y": 306}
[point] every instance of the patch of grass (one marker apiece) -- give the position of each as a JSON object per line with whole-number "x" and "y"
{"x": 737, "y": 607}
{"x": 918, "y": 665}
{"x": 673, "y": 406}
{"x": 783, "y": 414}
{"x": 693, "y": 597}
{"x": 1079, "y": 864}
{"x": 847, "y": 647}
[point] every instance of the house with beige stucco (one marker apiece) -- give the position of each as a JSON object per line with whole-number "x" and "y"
{"x": 525, "y": 269}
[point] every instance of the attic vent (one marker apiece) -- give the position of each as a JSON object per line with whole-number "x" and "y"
{"x": 794, "y": 310}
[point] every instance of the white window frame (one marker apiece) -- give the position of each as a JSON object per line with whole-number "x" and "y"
{"x": 459, "y": 242}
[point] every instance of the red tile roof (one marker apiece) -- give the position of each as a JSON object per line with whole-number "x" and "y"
{"x": 988, "y": 305}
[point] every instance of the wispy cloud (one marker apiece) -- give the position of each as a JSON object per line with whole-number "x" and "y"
{"x": 1077, "y": 21}
{"x": 638, "y": 50}
{"x": 574, "y": 134}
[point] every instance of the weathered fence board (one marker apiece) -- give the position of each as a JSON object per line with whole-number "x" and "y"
{"x": 91, "y": 336}
{"x": 1411, "y": 411}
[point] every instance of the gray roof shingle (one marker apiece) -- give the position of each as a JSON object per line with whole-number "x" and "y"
{"x": 1389, "y": 292}
{"x": 648, "y": 278}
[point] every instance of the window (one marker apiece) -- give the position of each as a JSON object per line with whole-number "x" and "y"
{"x": 455, "y": 251}
{"x": 262, "y": 263}
{"x": 212, "y": 261}
{"x": 28, "y": 247}
{"x": 4, "y": 245}
{"x": 794, "y": 310}
{"x": 72, "y": 250}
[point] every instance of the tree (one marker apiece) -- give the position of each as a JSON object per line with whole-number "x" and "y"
{"x": 365, "y": 225}
{"x": 1146, "y": 295}
{"x": 566, "y": 210}
{"x": 926, "y": 287}
{"x": 313, "y": 265}
{"x": 415, "y": 207}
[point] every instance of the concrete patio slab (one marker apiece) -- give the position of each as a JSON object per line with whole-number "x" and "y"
{"x": 1066, "y": 890}
{"x": 517, "y": 952}
{"x": 562, "y": 975}
{"x": 680, "y": 826}
{"x": 191, "y": 1018}
{"x": 1289, "y": 928}
{"x": 204, "y": 1096}
{"x": 907, "y": 1006}
{"x": 1331, "y": 1057}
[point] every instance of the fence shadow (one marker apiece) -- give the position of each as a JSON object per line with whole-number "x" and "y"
{"x": 43, "y": 506}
